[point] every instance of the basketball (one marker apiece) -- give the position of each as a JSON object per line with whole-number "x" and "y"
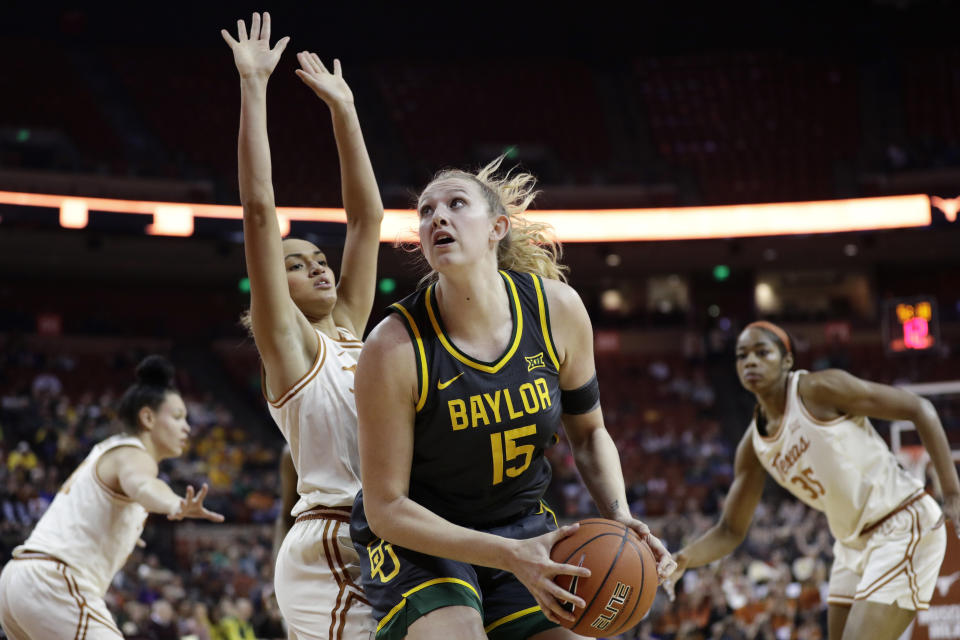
{"x": 623, "y": 577}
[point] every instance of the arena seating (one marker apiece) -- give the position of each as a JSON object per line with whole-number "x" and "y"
{"x": 659, "y": 408}
{"x": 734, "y": 127}
{"x": 753, "y": 127}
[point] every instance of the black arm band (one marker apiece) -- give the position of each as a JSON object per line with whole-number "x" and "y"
{"x": 582, "y": 400}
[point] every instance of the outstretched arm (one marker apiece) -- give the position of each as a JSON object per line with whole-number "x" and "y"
{"x": 137, "y": 476}
{"x": 284, "y": 338}
{"x": 742, "y": 499}
{"x": 838, "y": 390}
{"x": 594, "y": 451}
{"x": 361, "y": 196}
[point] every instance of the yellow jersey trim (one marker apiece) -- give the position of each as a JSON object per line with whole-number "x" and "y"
{"x": 544, "y": 325}
{"x": 430, "y": 583}
{"x": 470, "y": 362}
{"x": 423, "y": 585}
{"x": 510, "y": 618}
{"x": 418, "y": 346}
{"x": 544, "y": 507}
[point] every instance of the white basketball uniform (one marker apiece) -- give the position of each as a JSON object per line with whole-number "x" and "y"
{"x": 54, "y": 586}
{"x": 890, "y": 538}
{"x": 317, "y": 578}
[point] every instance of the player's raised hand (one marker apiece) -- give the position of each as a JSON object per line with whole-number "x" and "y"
{"x": 191, "y": 506}
{"x": 251, "y": 51}
{"x": 665, "y": 562}
{"x": 532, "y": 565}
{"x": 329, "y": 87}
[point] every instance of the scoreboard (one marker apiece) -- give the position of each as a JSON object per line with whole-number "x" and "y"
{"x": 910, "y": 325}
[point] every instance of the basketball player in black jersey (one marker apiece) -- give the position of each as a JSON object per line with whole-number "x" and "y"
{"x": 459, "y": 392}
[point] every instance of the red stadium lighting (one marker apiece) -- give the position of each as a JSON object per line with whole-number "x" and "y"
{"x": 910, "y": 325}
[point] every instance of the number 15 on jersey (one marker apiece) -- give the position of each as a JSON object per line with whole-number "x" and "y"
{"x": 505, "y": 449}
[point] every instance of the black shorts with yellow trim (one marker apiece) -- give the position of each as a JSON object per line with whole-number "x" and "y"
{"x": 404, "y": 585}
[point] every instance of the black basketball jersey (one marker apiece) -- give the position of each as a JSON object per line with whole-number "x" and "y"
{"x": 482, "y": 427}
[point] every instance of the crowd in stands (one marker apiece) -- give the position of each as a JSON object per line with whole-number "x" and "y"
{"x": 222, "y": 589}
{"x": 215, "y": 581}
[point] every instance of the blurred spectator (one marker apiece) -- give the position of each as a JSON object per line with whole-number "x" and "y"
{"x": 22, "y": 457}
{"x": 46, "y": 383}
{"x": 161, "y": 625}
{"x": 268, "y": 624}
{"x": 235, "y": 623}
{"x": 661, "y": 413}
{"x": 198, "y": 624}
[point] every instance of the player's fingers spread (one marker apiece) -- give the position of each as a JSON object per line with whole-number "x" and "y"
{"x": 228, "y": 38}
{"x": 562, "y": 595}
{"x": 547, "y": 612}
{"x": 241, "y": 30}
{"x": 665, "y": 569}
{"x": 203, "y": 492}
{"x": 305, "y": 76}
{"x": 551, "y": 616}
{"x": 281, "y": 44}
{"x": 657, "y": 547}
{"x": 572, "y": 570}
{"x": 318, "y": 63}
{"x": 337, "y": 69}
{"x": 565, "y": 532}
{"x": 560, "y": 614}
{"x": 213, "y": 516}
{"x": 255, "y": 27}
{"x": 265, "y": 28}
{"x": 667, "y": 565}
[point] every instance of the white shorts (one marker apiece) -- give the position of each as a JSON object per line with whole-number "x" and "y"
{"x": 317, "y": 579}
{"x": 898, "y": 563}
{"x": 41, "y": 597}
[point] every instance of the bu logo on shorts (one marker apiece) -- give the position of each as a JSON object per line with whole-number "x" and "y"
{"x": 378, "y": 555}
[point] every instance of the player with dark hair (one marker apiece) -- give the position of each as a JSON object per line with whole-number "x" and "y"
{"x": 307, "y": 329}
{"x": 812, "y": 433}
{"x": 55, "y": 584}
{"x": 459, "y": 392}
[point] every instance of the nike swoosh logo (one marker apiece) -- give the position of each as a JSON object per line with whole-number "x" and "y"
{"x": 569, "y": 606}
{"x": 443, "y": 385}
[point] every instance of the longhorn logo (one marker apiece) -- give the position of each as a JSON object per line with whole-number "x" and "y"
{"x": 949, "y": 206}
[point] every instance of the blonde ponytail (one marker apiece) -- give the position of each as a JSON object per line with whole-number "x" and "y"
{"x": 529, "y": 246}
